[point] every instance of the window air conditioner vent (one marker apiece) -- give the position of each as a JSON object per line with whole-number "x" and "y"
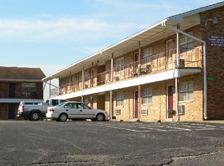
{"x": 181, "y": 110}
{"x": 144, "y": 111}
{"x": 118, "y": 111}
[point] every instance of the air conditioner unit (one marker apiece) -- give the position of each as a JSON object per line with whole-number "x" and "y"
{"x": 181, "y": 110}
{"x": 144, "y": 111}
{"x": 181, "y": 62}
{"x": 118, "y": 111}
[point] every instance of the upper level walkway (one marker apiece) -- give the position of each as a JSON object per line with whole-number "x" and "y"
{"x": 158, "y": 67}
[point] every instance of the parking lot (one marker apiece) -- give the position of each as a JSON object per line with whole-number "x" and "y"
{"x": 110, "y": 143}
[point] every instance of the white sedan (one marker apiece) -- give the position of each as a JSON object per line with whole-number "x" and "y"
{"x": 75, "y": 110}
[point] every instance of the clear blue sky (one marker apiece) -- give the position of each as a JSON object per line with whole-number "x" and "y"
{"x": 53, "y": 34}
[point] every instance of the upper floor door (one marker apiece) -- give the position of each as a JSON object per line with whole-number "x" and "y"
{"x": 12, "y": 90}
{"x": 170, "y": 54}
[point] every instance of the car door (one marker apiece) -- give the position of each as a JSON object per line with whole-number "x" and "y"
{"x": 85, "y": 111}
{"x": 71, "y": 110}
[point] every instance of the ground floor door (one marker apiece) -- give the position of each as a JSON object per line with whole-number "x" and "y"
{"x": 112, "y": 107}
{"x": 169, "y": 100}
{"x": 11, "y": 111}
{"x": 136, "y": 104}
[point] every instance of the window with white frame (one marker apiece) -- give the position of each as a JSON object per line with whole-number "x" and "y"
{"x": 147, "y": 96}
{"x": 147, "y": 55}
{"x": 120, "y": 64}
{"x": 120, "y": 99}
{"x": 186, "y": 43}
{"x": 29, "y": 87}
{"x": 186, "y": 91}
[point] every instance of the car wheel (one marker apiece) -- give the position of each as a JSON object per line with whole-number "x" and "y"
{"x": 35, "y": 116}
{"x": 63, "y": 117}
{"x": 100, "y": 117}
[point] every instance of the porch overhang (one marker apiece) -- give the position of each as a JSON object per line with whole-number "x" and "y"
{"x": 167, "y": 75}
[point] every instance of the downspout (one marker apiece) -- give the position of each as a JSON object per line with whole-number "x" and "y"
{"x": 111, "y": 81}
{"x": 204, "y": 62}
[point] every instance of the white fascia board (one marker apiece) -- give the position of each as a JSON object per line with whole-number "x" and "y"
{"x": 98, "y": 89}
{"x": 131, "y": 82}
{"x": 143, "y": 80}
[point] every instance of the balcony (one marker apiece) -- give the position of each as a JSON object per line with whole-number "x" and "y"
{"x": 155, "y": 64}
{"x": 18, "y": 94}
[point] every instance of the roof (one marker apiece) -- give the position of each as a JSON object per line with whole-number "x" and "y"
{"x": 21, "y": 73}
{"x": 144, "y": 37}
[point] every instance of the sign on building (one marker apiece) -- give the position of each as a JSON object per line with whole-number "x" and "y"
{"x": 216, "y": 40}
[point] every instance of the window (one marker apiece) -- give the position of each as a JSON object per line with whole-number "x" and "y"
{"x": 73, "y": 78}
{"x": 147, "y": 96}
{"x": 54, "y": 102}
{"x": 120, "y": 99}
{"x": 186, "y": 91}
{"x": 64, "y": 81}
{"x": 147, "y": 55}
{"x": 186, "y": 43}
{"x": 120, "y": 64}
{"x": 28, "y": 87}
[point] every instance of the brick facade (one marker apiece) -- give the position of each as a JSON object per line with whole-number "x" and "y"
{"x": 157, "y": 110}
{"x": 11, "y": 92}
{"x": 215, "y": 61}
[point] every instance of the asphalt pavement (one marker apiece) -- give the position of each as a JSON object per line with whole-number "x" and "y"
{"x": 110, "y": 143}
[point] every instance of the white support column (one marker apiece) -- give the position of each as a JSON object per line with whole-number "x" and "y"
{"x": 49, "y": 89}
{"x": 111, "y": 81}
{"x": 177, "y": 79}
{"x": 112, "y": 68}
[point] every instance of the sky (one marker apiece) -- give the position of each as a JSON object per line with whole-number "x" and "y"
{"x": 53, "y": 34}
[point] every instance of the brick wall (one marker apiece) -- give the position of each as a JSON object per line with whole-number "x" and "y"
{"x": 215, "y": 61}
{"x": 157, "y": 110}
{"x": 3, "y": 111}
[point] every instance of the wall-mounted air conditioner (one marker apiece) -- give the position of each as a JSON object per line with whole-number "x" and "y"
{"x": 118, "y": 111}
{"x": 144, "y": 111}
{"x": 181, "y": 109}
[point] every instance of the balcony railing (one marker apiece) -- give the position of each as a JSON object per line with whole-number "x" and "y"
{"x": 163, "y": 61}
{"x": 18, "y": 94}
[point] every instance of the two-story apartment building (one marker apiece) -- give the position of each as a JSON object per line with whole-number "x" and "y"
{"x": 175, "y": 64}
{"x": 18, "y": 84}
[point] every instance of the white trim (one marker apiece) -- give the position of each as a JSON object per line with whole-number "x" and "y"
{"x": 131, "y": 82}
